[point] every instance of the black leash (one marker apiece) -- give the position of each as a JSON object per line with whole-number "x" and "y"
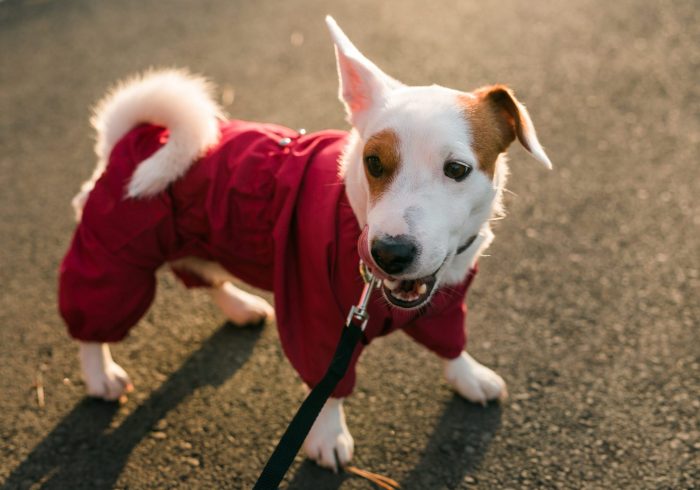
{"x": 292, "y": 439}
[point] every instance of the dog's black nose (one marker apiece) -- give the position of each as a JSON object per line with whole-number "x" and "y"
{"x": 394, "y": 254}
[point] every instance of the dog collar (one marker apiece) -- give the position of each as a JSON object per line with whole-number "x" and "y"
{"x": 466, "y": 245}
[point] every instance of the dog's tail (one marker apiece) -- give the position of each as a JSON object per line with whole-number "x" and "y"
{"x": 171, "y": 98}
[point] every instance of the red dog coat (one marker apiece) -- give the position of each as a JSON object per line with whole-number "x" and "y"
{"x": 274, "y": 215}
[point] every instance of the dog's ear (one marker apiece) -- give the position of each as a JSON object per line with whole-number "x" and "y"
{"x": 363, "y": 86}
{"x": 516, "y": 120}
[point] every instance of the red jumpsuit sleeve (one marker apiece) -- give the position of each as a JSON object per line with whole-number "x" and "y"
{"x": 444, "y": 329}
{"x": 346, "y": 385}
{"x": 101, "y": 295}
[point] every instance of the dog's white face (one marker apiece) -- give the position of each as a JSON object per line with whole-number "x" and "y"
{"x": 423, "y": 172}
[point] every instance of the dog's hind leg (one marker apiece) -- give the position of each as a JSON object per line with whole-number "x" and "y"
{"x": 474, "y": 381}
{"x": 239, "y": 306}
{"x": 103, "y": 377}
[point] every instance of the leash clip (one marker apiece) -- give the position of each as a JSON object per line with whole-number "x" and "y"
{"x": 359, "y": 312}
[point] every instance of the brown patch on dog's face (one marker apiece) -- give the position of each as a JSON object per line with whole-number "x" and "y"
{"x": 494, "y": 119}
{"x": 381, "y": 161}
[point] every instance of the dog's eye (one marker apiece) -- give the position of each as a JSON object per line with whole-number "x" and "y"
{"x": 457, "y": 171}
{"x": 374, "y": 166}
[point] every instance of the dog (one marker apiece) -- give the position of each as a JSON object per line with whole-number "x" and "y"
{"x": 410, "y": 191}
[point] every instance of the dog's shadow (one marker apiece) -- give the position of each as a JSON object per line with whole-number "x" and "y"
{"x": 454, "y": 452}
{"x": 82, "y": 452}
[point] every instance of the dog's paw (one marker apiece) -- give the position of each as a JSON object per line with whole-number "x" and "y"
{"x": 103, "y": 377}
{"x": 240, "y": 307}
{"x": 110, "y": 384}
{"x": 329, "y": 442}
{"x": 474, "y": 381}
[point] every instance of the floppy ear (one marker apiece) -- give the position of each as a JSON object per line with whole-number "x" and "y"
{"x": 516, "y": 118}
{"x": 363, "y": 86}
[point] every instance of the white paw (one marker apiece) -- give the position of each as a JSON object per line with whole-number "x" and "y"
{"x": 240, "y": 307}
{"x": 330, "y": 438}
{"x": 474, "y": 381}
{"x": 103, "y": 377}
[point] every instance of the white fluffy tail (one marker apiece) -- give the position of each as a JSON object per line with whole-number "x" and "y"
{"x": 174, "y": 99}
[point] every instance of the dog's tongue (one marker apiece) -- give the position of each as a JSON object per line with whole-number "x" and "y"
{"x": 366, "y": 255}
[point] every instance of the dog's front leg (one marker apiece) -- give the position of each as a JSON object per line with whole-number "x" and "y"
{"x": 103, "y": 377}
{"x": 329, "y": 437}
{"x": 473, "y": 380}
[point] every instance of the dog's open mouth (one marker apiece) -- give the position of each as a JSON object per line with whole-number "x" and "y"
{"x": 402, "y": 293}
{"x": 408, "y": 294}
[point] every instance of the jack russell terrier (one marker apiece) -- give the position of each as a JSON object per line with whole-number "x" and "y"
{"x": 409, "y": 190}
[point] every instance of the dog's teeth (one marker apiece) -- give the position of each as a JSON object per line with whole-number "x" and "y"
{"x": 423, "y": 289}
{"x": 410, "y": 296}
{"x": 406, "y": 296}
{"x": 391, "y": 284}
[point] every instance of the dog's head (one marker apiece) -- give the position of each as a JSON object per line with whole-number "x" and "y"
{"x": 424, "y": 171}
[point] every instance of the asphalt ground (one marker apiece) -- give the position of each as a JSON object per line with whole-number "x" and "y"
{"x": 588, "y": 303}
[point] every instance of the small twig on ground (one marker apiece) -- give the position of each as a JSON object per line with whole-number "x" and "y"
{"x": 39, "y": 385}
{"x": 379, "y": 480}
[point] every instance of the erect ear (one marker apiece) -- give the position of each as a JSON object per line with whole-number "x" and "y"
{"x": 516, "y": 119}
{"x": 363, "y": 86}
